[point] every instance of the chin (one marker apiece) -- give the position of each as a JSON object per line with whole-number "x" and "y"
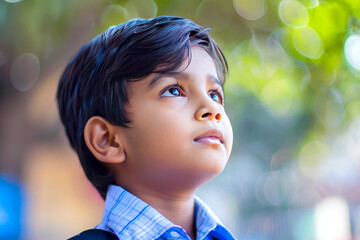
{"x": 219, "y": 169}
{"x": 215, "y": 167}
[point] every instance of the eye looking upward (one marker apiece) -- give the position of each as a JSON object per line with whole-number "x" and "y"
{"x": 217, "y": 96}
{"x": 172, "y": 91}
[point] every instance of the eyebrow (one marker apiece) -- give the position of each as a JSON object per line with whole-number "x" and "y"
{"x": 180, "y": 75}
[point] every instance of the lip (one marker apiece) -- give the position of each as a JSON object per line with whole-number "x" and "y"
{"x": 211, "y": 136}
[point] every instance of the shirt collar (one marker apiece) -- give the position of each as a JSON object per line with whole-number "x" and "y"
{"x": 131, "y": 218}
{"x": 207, "y": 222}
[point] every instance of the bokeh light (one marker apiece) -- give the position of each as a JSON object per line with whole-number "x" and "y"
{"x": 250, "y": 10}
{"x": 307, "y": 42}
{"x": 25, "y": 71}
{"x": 293, "y": 13}
{"x": 141, "y": 8}
{"x": 332, "y": 219}
{"x": 113, "y": 15}
{"x": 12, "y": 1}
{"x": 352, "y": 50}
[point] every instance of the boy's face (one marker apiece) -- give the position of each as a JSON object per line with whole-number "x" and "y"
{"x": 180, "y": 135}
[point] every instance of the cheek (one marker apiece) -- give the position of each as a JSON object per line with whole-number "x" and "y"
{"x": 159, "y": 128}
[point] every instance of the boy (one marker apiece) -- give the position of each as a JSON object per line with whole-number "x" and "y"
{"x": 143, "y": 107}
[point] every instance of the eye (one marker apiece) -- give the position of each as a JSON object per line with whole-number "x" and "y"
{"x": 216, "y": 96}
{"x": 172, "y": 91}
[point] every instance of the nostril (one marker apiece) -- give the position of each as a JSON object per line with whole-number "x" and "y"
{"x": 206, "y": 115}
{"x": 218, "y": 116}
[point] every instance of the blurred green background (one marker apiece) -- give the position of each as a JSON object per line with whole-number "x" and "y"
{"x": 293, "y": 96}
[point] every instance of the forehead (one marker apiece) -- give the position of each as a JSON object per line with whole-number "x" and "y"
{"x": 181, "y": 76}
{"x": 199, "y": 65}
{"x": 201, "y": 62}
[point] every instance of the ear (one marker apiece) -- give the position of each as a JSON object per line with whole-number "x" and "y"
{"x": 104, "y": 140}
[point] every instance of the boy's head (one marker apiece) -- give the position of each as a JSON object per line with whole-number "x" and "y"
{"x": 143, "y": 103}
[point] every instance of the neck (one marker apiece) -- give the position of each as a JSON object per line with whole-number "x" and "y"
{"x": 179, "y": 209}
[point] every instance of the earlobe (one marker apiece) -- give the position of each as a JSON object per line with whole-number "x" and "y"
{"x": 104, "y": 140}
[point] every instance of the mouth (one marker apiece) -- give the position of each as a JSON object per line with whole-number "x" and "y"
{"x": 211, "y": 136}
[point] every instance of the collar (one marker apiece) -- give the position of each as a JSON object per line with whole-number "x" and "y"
{"x": 131, "y": 218}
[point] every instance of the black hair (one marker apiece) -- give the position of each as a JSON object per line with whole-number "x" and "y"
{"x": 94, "y": 83}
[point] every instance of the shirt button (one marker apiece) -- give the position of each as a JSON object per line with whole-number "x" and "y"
{"x": 175, "y": 234}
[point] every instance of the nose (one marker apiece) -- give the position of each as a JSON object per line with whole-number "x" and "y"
{"x": 208, "y": 111}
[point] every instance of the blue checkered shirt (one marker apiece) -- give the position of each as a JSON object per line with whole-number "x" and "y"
{"x": 131, "y": 218}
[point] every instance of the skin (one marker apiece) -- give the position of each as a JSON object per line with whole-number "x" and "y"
{"x": 167, "y": 151}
